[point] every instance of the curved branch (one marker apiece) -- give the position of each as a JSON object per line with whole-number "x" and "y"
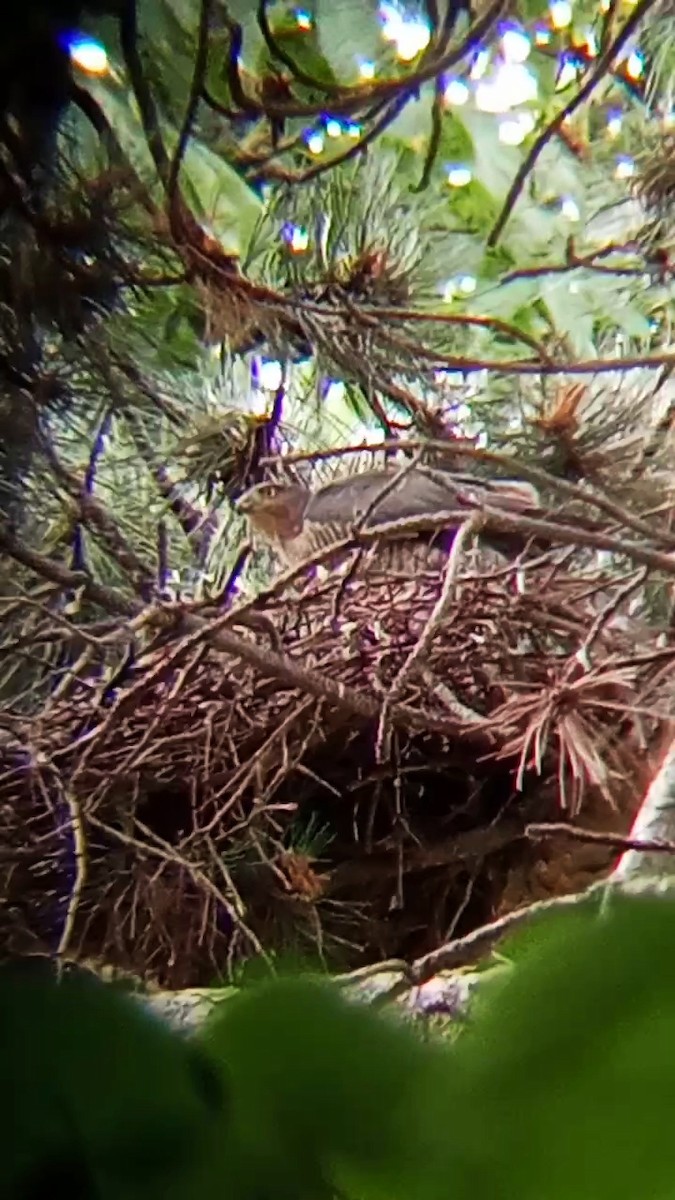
{"x": 278, "y": 52}
{"x": 434, "y": 139}
{"x": 499, "y": 326}
{"x": 512, "y": 467}
{"x": 98, "y": 120}
{"x": 142, "y": 93}
{"x": 196, "y": 88}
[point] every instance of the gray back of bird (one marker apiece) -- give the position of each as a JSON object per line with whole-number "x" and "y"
{"x": 421, "y": 492}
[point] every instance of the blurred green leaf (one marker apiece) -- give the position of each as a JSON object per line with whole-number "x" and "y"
{"x": 456, "y": 143}
{"x": 413, "y": 124}
{"x": 494, "y": 164}
{"x": 304, "y": 49}
{"x": 325, "y": 1093}
{"x": 571, "y": 310}
{"x": 473, "y": 207}
{"x": 218, "y": 193}
{"x": 564, "y": 1085}
{"x": 121, "y": 112}
{"x": 531, "y": 9}
{"x": 505, "y": 299}
{"x": 221, "y": 197}
{"x": 96, "y": 1088}
{"x": 348, "y": 34}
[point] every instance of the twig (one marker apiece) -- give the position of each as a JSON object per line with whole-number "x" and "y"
{"x": 92, "y": 513}
{"x": 575, "y": 263}
{"x": 470, "y": 319}
{"x": 198, "y": 76}
{"x": 389, "y": 115}
{"x": 608, "y": 611}
{"x": 434, "y": 139}
{"x": 164, "y": 851}
{"x": 541, "y": 830}
{"x": 223, "y": 597}
{"x": 111, "y": 599}
{"x": 460, "y": 951}
{"x": 351, "y": 100}
{"x": 266, "y": 661}
{"x": 544, "y": 530}
{"x": 436, "y": 618}
{"x": 80, "y": 857}
{"x": 336, "y": 693}
{"x": 278, "y": 52}
{"x": 142, "y": 93}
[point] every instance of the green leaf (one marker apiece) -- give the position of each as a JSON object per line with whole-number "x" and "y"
{"x": 123, "y": 116}
{"x": 456, "y": 143}
{"x": 348, "y": 34}
{"x": 572, "y": 311}
{"x": 96, "y": 1089}
{"x": 413, "y": 124}
{"x": 473, "y": 207}
{"x": 494, "y": 164}
{"x": 564, "y": 1085}
{"x": 530, "y": 10}
{"x": 503, "y": 300}
{"x": 633, "y": 322}
{"x": 496, "y": 262}
{"x": 559, "y": 174}
{"x": 223, "y": 199}
{"x": 536, "y": 235}
{"x": 324, "y": 1093}
{"x": 167, "y": 42}
{"x": 304, "y": 49}
{"x": 217, "y": 192}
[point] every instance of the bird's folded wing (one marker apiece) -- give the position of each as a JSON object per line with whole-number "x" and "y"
{"x": 418, "y": 493}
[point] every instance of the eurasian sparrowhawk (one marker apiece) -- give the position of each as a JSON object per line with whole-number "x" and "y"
{"x": 299, "y": 523}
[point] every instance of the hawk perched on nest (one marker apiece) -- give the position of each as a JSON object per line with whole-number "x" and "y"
{"x": 299, "y": 523}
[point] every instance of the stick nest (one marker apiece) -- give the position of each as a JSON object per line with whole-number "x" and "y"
{"x": 345, "y": 768}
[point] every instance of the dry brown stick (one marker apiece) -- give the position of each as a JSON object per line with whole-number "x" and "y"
{"x": 460, "y": 951}
{"x": 242, "y": 777}
{"x": 111, "y": 599}
{"x": 135, "y": 756}
{"x": 455, "y": 851}
{"x": 166, "y": 853}
{"x": 428, "y": 634}
{"x": 495, "y": 519}
{"x": 541, "y": 830}
{"x": 578, "y": 536}
{"x": 285, "y": 670}
{"x": 609, "y": 609}
{"x": 81, "y": 863}
{"x": 125, "y": 699}
{"x": 440, "y": 608}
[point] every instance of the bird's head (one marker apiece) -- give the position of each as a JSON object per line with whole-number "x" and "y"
{"x": 276, "y": 510}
